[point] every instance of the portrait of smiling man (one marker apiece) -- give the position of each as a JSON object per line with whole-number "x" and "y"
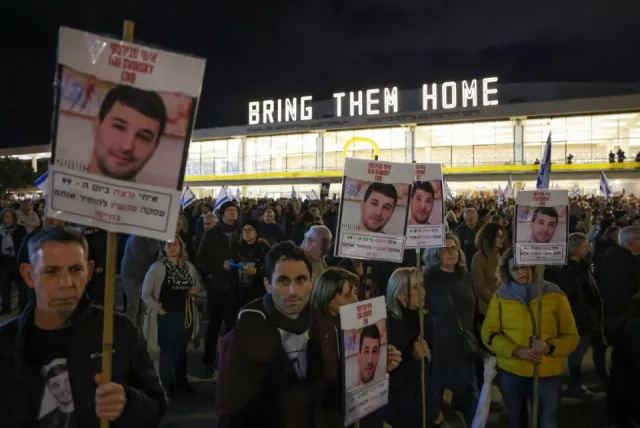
{"x": 544, "y": 223}
{"x": 126, "y": 132}
{"x": 422, "y": 199}
{"x": 377, "y": 208}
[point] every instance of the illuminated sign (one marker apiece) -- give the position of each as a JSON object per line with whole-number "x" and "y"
{"x": 371, "y": 102}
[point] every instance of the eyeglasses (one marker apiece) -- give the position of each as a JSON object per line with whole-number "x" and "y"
{"x": 450, "y": 250}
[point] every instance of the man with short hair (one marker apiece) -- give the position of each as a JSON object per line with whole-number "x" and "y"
{"x": 60, "y": 336}
{"x": 466, "y": 233}
{"x": 368, "y": 353}
{"x": 377, "y": 207}
{"x": 316, "y": 243}
{"x": 544, "y": 223}
{"x": 126, "y": 132}
{"x": 279, "y": 366}
{"x": 421, "y": 205}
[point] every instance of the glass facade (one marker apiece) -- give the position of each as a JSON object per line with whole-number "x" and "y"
{"x": 588, "y": 138}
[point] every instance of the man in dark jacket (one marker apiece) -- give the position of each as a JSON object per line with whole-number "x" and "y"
{"x": 466, "y": 233}
{"x": 619, "y": 282}
{"x": 218, "y": 246}
{"x": 278, "y": 368}
{"x": 51, "y": 355}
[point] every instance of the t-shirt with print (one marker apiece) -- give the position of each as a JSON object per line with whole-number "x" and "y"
{"x": 176, "y": 286}
{"x": 47, "y": 350}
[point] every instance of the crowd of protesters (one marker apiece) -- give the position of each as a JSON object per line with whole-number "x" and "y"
{"x": 253, "y": 265}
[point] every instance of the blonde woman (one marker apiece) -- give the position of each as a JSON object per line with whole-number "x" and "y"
{"x": 405, "y": 297}
{"x": 165, "y": 289}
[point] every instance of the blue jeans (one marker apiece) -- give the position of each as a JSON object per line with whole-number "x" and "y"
{"x": 172, "y": 338}
{"x": 517, "y": 391}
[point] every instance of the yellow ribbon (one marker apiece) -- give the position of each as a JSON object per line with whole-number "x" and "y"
{"x": 188, "y": 311}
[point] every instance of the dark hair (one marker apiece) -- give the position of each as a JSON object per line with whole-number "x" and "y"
{"x": 148, "y": 103}
{"x": 55, "y": 234}
{"x": 329, "y": 284}
{"x": 486, "y": 238}
{"x": 371, "y": 331}
{"x": 388, "y": 190}
{"x": 283, "y": 251}
{"x": 548, "y": 211}
{"x": 425, "y": 186}
{"x": 13, "y": 213}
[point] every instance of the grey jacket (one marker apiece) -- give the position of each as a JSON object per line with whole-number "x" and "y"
{"x": 139, "y": 254}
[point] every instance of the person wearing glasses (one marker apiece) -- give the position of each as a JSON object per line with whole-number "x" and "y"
{"x": 509, "y": 332}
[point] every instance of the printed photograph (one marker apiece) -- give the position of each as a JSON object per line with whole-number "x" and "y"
{"x": 374, "y": 207}
{"x": 130, "y": 134}
{"x": 425, "y": 205}
{"x": 541, "y": 225}
{"x": 365, "y": 353}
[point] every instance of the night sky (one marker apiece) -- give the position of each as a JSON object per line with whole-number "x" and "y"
{"x": 275, "y": 48}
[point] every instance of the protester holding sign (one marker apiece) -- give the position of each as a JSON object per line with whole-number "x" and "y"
{"x": 405, "y": 297}
{"x": 113, "y": 155}
{"x": 373, "y": 211}
{"x": 50, "y": 355}
{"x": 541, "y": 228}
{"x": 509, "y": 331}
{"x": 426, "y": 211}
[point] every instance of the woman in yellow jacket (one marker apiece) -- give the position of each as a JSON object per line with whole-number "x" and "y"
{"x": 508, "y": 330}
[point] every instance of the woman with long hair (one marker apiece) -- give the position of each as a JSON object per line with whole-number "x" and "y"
{"x": 451, "y": 307}
{"x": 166, "y": 292}
{"x": 405, "y": 299}
{"x": 490, "y": 242}
{"x": 509, "y": 332}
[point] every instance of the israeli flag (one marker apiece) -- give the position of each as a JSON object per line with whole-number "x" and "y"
{"x": 315, "y": 194}
{"x": 574, "y": 192}
{"x": 238, "y": 195}
{"x": 293, "y": 193}
{"x": 221, "y": 198}
{"x": 604, "y": 186}
{"x": 188, "y": 197}
{"x": 41, "y": 182}
{"x": 446, "y": 190}
{"x": 544, "y": 175}
{"x": 508, "y": 189}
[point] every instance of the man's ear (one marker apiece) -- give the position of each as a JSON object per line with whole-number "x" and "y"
{"x": 90, "y": 267}
{"x": 26, "y": 270}
{"x": 267, "y": 286}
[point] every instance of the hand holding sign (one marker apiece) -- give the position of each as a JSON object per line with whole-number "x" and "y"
{"x": 394, "y": 358}
{"x": 420, "y": 349}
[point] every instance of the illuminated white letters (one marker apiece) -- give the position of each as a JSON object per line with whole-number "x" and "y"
{"x": 486, "y": 91}
{"x": 470, "y": 92}
{"x": 391, "y": 99}
{"x": 353, "y": 103}
{"x": 449, "y": 95}
{"x": 372, "y": 101}
{"x": 339, "y": 96}
{"x": 285, "y": 109}
{"x": 429, "y": 96}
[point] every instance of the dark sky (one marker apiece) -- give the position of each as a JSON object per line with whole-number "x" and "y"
{"x": 273, "y": 48}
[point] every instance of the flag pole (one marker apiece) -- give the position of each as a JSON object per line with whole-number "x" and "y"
{"x": 539, "y": 270}
{"x": 110, "y": 279}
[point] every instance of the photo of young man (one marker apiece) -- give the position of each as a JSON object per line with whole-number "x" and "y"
{"x": 544, "y": 223}
{"x": 56, "y": 408}
{"x": 126, "y": 132}
{"x": 379, "y": 202}
{"x": 421, "y": 204}
{"x": 368, "y": 353}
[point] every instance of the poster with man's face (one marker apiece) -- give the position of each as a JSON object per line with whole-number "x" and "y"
{"x": 373, "y": 210}
{"x": 364, "y": 351}
{"x": 425, "y": 227}
{"x": 123, "y": 121}
{"x": 541, "y": 231}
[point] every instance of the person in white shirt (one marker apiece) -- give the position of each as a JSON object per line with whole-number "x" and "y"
{"x": 26, "y": 217}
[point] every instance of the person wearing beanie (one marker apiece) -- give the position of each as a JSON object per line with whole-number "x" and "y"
{"x": 218, "y": 246}
{"x": 252, "y": 251}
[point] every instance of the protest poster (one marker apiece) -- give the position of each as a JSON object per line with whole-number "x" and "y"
{"x": 541, "y": 231}
{"x": 373, "y": 209}
{"x": 425, "y": 225}
{"x": 324, "y": 189}
{"x": 136, "y": 106}
{"x": 364, "y": 351}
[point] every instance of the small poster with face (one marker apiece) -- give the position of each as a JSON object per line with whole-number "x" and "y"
{"x": 122, "y": 124}
{"x": 364, "y": 352}
{"x": 541, "y": 231}
{"x": 425, "y": 226}
{"x": 373, "y": 209}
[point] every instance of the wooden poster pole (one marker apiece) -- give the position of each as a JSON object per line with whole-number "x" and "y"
{"x": 110, "y": 278}
{"x": 539, "y": 270}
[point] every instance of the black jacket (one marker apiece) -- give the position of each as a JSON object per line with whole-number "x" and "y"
{"x": 217, "y": 246}
{"x": 23, "y": 385}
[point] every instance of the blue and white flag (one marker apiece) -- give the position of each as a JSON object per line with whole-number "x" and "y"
{"x": 41, "y": 182}
{"x": 544, "y": 175}
{"x": 188, "y": 197}
{"x": 221, "y": 198}
{"x": 574, "y": 192}
{"x": 446, "y": 190}
{"x": 293, "y": 193}
{"x": 508, "y": 189}
{"x": 238, "y": 195}
{"x": 315, "y": 194}
{"x": 604, "y": 186}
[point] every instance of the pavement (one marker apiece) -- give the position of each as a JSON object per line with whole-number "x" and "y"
{"x": 197, "y": 410}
